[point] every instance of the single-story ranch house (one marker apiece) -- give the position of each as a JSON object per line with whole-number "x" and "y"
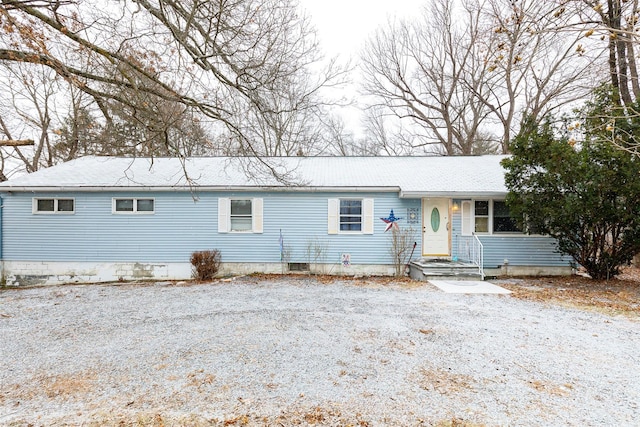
{"x": 106, "y": 218}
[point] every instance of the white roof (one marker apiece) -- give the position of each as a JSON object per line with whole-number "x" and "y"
{"x": 410, "y": 176}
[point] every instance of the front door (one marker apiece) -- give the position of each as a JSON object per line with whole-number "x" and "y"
{"x": 435, "y": 227}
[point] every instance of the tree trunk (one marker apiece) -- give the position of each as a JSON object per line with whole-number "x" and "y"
{"x": 633, "y": 69}
{"x": 631, "y": 57}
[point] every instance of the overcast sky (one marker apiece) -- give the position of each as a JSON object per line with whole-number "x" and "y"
{"x": 344, "y": 25}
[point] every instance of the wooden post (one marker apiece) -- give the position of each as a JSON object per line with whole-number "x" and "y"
{"x": 16, "y": 142}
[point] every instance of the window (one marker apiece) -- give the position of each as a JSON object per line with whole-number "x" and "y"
{"x": 481, "y": 213}
{"x": 239, "y": 215}
{"x": 350, "y": 215}
{"x": 502, "y": 220}
{"x": 487, "y": 216}
{"x": 142, "y": 206}
{"x": 241, "y": 218}
{"x": 54, "y": 206}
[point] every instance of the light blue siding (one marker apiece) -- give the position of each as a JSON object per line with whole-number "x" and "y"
{"x": 518, "y": 249}
{"x": 521, "y": 250}
{"x": 181, "y": 225}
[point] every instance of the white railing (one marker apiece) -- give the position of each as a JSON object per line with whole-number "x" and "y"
{"x": 470, "y": 249}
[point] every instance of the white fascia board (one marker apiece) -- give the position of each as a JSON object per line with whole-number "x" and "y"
{"x": 452, "y": 195}
{"x": 203, "y": 188}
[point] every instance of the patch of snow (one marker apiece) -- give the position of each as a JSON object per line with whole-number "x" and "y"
{"x": 382, "y": 354}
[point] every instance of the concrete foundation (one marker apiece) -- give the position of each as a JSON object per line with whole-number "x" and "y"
{"x": 526, "y": 270}
{"x": 40, "y": 273}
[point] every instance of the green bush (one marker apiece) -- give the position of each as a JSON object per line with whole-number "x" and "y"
{"x": 584, "y": 193}
{"x": 206, "y": 264}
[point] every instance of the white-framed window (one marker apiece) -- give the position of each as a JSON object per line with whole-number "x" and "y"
{"x": 350, "y": 215}
{"x": 240, "y": 215}
{"x": 503, "y": 222}
{"x": 128, "y": 205}
{"x": 54, "y": 205}
{"x": 487, "y": 217}
{"x": 481, "y": 216}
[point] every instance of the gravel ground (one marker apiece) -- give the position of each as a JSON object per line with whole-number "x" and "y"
{"x": 297, "y": 351}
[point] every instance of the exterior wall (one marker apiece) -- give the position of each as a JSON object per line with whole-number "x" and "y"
{"x": 95, "y": 245}
{"x": 504, "y": 252}
{"x": 521, "y": 251}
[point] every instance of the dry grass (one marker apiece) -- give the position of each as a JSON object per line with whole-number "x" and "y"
{"x": 313, "y": 417}
{"x": 619, "y": 296}
{"x": 456, "y": 422}
{"x": 444, "y": 382}
{"x": 553, "y": 389}
{"x": 363, "y": 281}
{"x": 200, "y": 380}
{"x": 63, "y": 386}
{"x": 316, "y": 416}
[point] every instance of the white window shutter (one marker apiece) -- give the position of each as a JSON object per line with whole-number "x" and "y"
{"x": 256, "y": 215}
{"x": 332, "y": 216}
{"x": 367, "y": 216}
{"x": 466, "y": 218}
{"x": 224, "y": 207}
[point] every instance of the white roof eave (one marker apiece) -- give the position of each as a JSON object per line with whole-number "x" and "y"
{"x": 452, "y": 194}
{"x": 71, "y": 188}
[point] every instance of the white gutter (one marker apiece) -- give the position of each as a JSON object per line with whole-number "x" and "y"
{"x": 201, "y": 188}
{"x": 451, "y": 194}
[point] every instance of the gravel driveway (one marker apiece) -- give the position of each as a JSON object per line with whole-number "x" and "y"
{"x": 297, "y": 351}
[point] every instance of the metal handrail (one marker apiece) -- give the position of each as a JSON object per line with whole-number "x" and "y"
{"x": 470, "y": 249}
{"x": 480, "y": 255}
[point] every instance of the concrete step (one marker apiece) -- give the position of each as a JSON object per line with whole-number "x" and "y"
{"x": 440, "y": 270}
{"x": 443, "y": 270}
{"x": 460, "y": 276}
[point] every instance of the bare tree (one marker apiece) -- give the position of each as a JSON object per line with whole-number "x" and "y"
{"x": 63, "y": 122}
{"x": 294, "y": 127}
{"x": 27, "y": 110}
{"x": 79, "y": 133}
{"x": 611, "y": 25}
{"x": 535, "y": 68}
{"x": 388, "y": 137}
{"x": 470, "y": 70}
{"x": 174, "y": 131}
{"x": 428, "y": 73}
{"x": 231, "y": 62}
{"x": 341, "y": 142}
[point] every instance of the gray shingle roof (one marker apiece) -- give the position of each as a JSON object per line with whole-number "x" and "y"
{"x": 412, "y": 176}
